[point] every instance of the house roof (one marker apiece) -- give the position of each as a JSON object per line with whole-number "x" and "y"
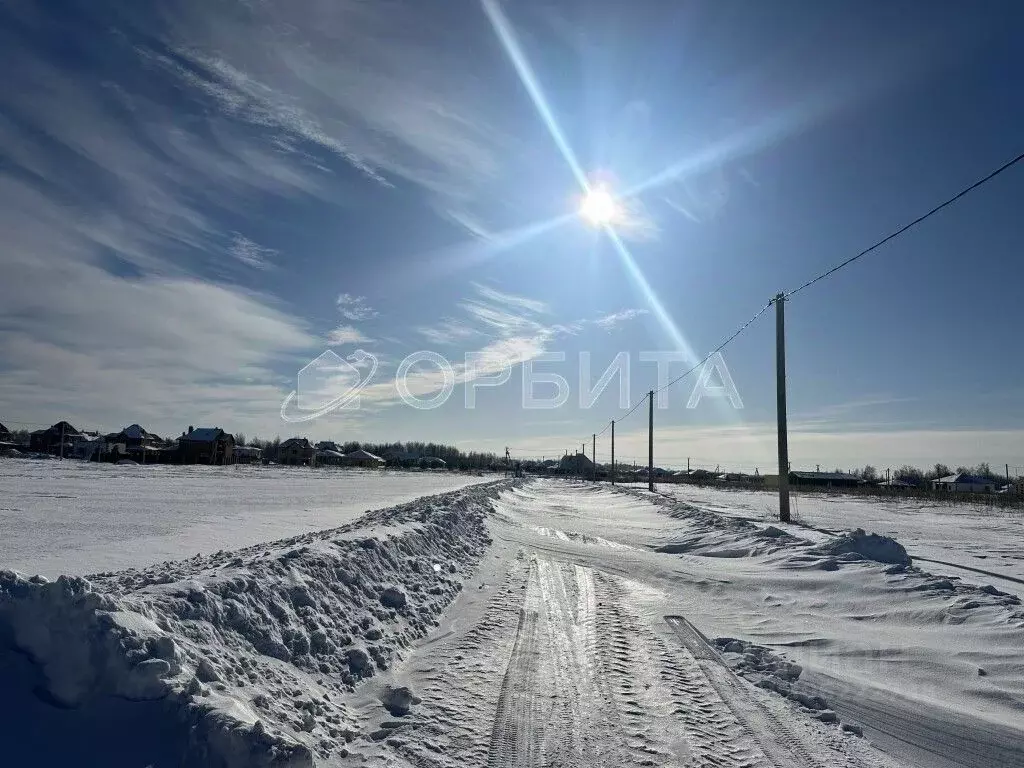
{"x": 361, "y": 454}
{"x": 204, "y": 435}
{"x": 328, "y": 453}
{"x": 826, "y": 476}
{"x": 3, "y": 428}
{"x": 56, "y": 429}
{"x": 292, "y": 442}
{"x": 962, "y": 478}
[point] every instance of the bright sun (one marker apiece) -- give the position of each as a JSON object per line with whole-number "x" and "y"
{"x": 599, "y": 207}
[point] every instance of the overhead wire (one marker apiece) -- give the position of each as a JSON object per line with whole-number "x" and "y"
{"x": 832, "y": 270}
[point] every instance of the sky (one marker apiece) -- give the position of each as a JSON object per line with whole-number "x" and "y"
{"x": 249, "y": 213}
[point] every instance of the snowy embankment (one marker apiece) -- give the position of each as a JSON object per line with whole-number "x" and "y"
{"x": 720, "y": 536}
{"x": 968, "y": 540}
{"x": 237, "y": 658}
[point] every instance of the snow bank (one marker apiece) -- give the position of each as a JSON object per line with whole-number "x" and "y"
{"x": 766, "y": 669}
{"x": 708, "y": 533}
{"x": 870, "y": 546}
{"x": 250, "y": 650}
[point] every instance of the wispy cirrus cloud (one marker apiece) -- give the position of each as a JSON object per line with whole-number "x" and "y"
{"x": 250, "y": 253}
{"x": 355, "y": 307}
{"x": 384, "y": 88}
{"x": 510, "y": 300}
{"x": 614, "y": 319}
{"x": 447, "y": 332}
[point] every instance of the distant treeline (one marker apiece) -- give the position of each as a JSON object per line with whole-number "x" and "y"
{"x": 910, "y": 474}
{"x": 406, "y": 454}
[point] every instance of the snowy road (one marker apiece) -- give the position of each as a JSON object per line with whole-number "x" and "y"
{"x": 579, "y": 644}
{"x": 74, "y": 517}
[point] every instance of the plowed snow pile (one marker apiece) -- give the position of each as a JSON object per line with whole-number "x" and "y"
{"x": 235, "y": 659}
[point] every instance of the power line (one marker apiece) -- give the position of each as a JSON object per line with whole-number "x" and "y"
{"x": 716, "y": 350}
{"x": 892, "y": 236}
{"x": 962, "y": 193}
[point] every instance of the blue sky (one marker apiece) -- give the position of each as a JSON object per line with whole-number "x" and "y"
{"x": 199, "y": 198}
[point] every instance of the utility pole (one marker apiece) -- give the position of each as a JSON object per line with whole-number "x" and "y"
{"x": 780, "y": 393}
{"x": 593, "y": 452}
{"x": 613, "y": 451}
{"x": 650, "y": 441}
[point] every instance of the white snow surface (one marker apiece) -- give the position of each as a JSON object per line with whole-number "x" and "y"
{"x": 975, "y": 542}
{"x": 74, "y": 517}
{"x": 521, "y": 624}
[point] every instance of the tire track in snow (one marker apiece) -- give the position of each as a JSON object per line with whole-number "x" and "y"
{"x": 783, "y": 747}
{"x": 514, "y": 738}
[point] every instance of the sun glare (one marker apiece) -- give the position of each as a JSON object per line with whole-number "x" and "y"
{"x": 599, "y": 208}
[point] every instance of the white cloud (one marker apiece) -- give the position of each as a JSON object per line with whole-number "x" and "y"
{"x": 346, "y": 334}
{"x": 510, "y": 300}
{"x": 610, "y": 321}
{"x": 251, "y": 254}
{"x": 448, "y": 331}
{"x": 387, "y": 90}
{"x": 104, "y": 350}
{"x": 355, "y": 307}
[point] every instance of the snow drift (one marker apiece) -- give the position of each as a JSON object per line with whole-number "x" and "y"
{"x": 245, "y": 652}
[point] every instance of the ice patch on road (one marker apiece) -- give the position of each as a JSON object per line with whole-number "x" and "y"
{"x": 248, "y": 652}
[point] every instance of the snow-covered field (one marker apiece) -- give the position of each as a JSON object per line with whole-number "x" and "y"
{"x": 515, "y": 624}
{"x": 985, "y": 542}
{"x": 74, "y": 517}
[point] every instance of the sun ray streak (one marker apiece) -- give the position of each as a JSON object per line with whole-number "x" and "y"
{"x": 508, "y": 40}
{"x": 503, "y": 30}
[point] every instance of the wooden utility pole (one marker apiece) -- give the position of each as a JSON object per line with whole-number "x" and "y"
{"x": 593, "y": 452}
{"x": 613, "y": 451}
{"x": 780, "y": 393}
{"x": 650, "y": 440}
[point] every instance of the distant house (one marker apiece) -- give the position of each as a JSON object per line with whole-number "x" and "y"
{"x": 824, "y": 479}
{"x": 573, "y": 464}
{"x": 206, "y": 445}
{"x": 328, "y": 445}
{"x": 247, "y": 454}
{"x": 361, "y": 458}
{"x": 51, "y": 440}
{"x": 136, "y": 443}
{"x": 296, "y": 450}
{"x": 6, "y": 438}
{"x": 432, "y": 462}
{"x": 328, "y": 458}
{"x": 962, "y": 482}
{"x": 896, "y": 484}
{"x": 90, "y": 448}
